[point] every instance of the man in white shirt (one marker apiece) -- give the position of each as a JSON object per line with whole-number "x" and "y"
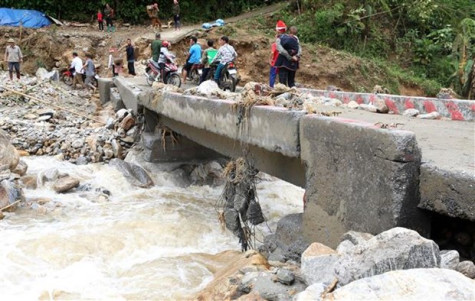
{"x": 77, "y": 67}
{"x": 14, "y": 57}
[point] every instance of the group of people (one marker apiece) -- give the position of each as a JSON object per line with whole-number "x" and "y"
{"x": 285, "y": 55}
{"x": 208, "y": 57}
{"x": 79, "y": 69}
{"x": 116, "y": 60}
{"x": 222, "y": 56}
{"x": 108, "y": 15}
{"x": 152, "y": 11}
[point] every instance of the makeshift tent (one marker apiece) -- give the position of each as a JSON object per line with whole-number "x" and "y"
{"x": 26, "y": 18}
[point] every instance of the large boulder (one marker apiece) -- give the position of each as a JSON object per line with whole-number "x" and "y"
{"x": 414, "y": 284}
{"x": 9, "y": 156}
{"x": 135, "y": 174}
{"x": 395, "y": 249}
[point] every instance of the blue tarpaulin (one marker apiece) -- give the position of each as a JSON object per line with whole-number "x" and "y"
{"x": 27, "y": 18}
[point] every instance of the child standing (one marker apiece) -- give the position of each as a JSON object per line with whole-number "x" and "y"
{"x": 100, "y": 20}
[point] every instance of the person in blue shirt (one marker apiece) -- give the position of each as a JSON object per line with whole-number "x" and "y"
{"x": 194, "y": 57}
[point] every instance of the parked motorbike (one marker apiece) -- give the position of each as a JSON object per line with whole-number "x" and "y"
{"x": 228, "y": 79}
{"x": 153, "y": 73}
{"x": 67, "y": 77}
{"x": 194, "y": 75}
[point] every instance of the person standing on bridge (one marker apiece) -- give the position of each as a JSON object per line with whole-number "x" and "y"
{"x": 287, "y": 62}
{"x": 130, "y": 52}
{"x": 13, "y": 57}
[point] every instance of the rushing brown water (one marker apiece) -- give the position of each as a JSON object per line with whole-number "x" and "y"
{"x": 160, "y": 243}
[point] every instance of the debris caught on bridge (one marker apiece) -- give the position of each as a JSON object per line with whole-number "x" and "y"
{"x": 238, "y": 208}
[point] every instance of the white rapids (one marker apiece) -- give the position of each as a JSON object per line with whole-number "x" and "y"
{"x": 158, "y": 243}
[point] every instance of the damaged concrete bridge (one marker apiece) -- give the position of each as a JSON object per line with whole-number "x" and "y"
{"x": 357, "y": 175}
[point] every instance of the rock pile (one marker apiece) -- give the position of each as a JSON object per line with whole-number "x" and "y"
{"x": 395, "y": 264}
{"x": 70, "y": 130}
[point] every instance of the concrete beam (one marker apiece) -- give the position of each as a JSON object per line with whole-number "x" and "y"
{"x": 271, "y": 128}
{"x": 446, "y": 192}
{"x": 167, "y": 150}
{"x": 289, "y": 169}
{"x": 360, "y": 178}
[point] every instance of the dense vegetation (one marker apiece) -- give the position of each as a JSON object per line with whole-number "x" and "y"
{"x": 133, "y": 11}
{"x": 433, "y": 39}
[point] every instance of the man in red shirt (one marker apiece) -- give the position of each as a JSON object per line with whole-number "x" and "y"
{"x": 280, "y": 28}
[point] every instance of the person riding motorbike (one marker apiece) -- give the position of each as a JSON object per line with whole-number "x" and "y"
{"x": 164, "y": 56}
{"x": 225, "y": 55}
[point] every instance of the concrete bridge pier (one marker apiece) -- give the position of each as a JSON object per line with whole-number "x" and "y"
{"x": 360, "y": 178}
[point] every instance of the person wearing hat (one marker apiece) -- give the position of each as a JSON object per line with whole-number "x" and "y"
{"x": 280, "y": 29}
{"x": 290, "y": 52}
{"x": 152, "y": 11}
{"x": 13, "y": 57}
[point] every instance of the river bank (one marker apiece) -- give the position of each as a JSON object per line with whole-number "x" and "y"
{"x": 66, "y": 245}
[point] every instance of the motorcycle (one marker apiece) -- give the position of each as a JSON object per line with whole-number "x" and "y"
{"x": 67, "y": 77}
{"x": 228, "y": 79}
{"x": 153, "y": 73}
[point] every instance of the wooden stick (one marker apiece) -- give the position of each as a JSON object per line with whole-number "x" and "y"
{"x": 12, "y": 204}
{"x": 55, "y": 106}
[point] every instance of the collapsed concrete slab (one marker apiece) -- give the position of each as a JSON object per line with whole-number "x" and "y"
{"x": 360, "y": 178}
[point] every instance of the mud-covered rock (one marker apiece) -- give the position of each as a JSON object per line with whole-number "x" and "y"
{"x": 65, "y": 184}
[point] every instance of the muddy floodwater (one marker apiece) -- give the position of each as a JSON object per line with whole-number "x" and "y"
{"x": 159, "y": 243}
